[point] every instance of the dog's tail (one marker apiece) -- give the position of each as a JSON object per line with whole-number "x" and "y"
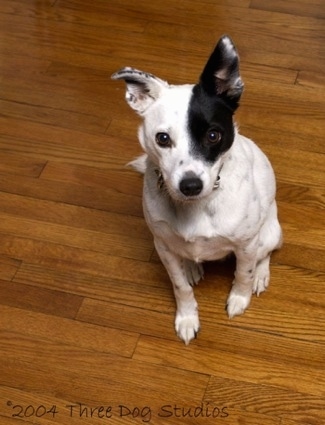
{"x": 139, "y": 164}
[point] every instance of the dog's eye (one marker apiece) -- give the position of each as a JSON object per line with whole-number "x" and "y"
{"x": 163, "y": 140}
{"x": 214, "y": 136}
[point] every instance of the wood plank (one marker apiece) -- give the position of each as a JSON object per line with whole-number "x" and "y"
{"x": 21, "y": 207}
{"x": 91, "y": 366}
{"x": 18, "y": 164}
{"x": 301, "y": 257}
{"x": 64, "y": 235}
{"x": 65, "y": 257}
{"x": 268, "y": 400}
{"x": 250, "y": 71}
{"x": 110, "y": 289}
{"x": 53, "y": 116}
{"x": 48, "y": 327}
{"x": 173, "y": 46}
{"x": 298, "y": 195}
{"x": 284, "y": 52}
{"x": 73, "y": 13}
{"x": 240, "y": 31}
{"x": 296, "y": 235}
{"x": 63, "y": 83}
{"x": 146, "y": 318}
{"x": 300, "y": 421}
{"x": 102, "y": 5}
{"x": 37, "y": 140}
{"x": 312, "y": 174}
{"x": 8, "y": 267}
{"x": 293, "y": 217}
{"x": 87, "y": 193}
{"x": 314, "y": 8}
{"x": 124, "y": 181}
{"x": 39, "y": 299}
{"x": 289, "y": 214}
{"x": 59, "y": 107}
{"x": 225, "y": 364}
{"x": 23, "y": 67}
{"x": 311, "y": 79}
{"x": 258, "y": 115}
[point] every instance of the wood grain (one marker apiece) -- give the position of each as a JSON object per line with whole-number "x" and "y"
{"x": 86, "y": 307}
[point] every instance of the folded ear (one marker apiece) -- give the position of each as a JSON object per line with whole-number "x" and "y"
{"x": 221, "y": 73}
{"x": 142, "y": 88}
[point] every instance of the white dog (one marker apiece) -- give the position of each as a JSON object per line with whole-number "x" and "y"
{"x": 208, "y": 191}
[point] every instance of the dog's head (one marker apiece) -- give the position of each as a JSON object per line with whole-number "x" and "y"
{"x": 187, "y": 129}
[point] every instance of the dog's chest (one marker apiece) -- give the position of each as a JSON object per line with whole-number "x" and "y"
{"x": 196, "y": 238}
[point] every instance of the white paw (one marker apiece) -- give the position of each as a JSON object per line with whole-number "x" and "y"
{"x": 262, "y": 277}
{"x": 260, "y": 284}
{"x": 237, "y": 303}
{"x": 194, "y": 272}
{"x": 187, "y": 327}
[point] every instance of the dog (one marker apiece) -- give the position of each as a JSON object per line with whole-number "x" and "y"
{"x": 208, "y": 191}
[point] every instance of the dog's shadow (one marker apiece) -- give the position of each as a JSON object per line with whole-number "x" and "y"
{"x": 220, "y": 272}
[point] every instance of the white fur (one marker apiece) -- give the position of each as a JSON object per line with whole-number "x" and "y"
{"x": 239, "y": 217}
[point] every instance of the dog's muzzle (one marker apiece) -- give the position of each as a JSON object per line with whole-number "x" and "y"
{"x": 190, "y": 185}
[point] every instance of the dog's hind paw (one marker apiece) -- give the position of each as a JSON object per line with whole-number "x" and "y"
{"x": 260, "y": 284}
{"x": 262, "y": 276}
{"x": 237, "y": 303}
{"x": 187, "y": 327}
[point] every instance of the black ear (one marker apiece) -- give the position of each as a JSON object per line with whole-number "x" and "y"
{"x": 142, "y": 88}
{"x": 221, "y": 73}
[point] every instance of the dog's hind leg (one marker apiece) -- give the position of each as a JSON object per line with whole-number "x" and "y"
{"x": 262, "y": 275}
{"x": 270, "y": 238}
{"x": 242, "y": 289}
{"x": 252, "y": 269}
{"x": 187, "y": 322}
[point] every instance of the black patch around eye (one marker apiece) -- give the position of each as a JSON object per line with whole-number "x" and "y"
{"x": 208, "y": 113}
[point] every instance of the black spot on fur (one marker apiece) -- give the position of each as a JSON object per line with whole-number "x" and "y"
{"x": 209, "y": 112}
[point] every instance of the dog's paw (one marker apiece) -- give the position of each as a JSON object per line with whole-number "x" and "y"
{"x": 194, "y": 272}
{"x": 261, "y": 283}
{"x": 237, "y": 303}
{"x": 187, "y": 327}
{"x": 262, "y": 277}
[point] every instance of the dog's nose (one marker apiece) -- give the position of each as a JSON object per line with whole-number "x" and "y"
{"x": 191, "y": 186}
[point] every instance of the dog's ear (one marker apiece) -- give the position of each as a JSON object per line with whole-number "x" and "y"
{"x": 142, "y": 88}
{"x": 221, "y": 73}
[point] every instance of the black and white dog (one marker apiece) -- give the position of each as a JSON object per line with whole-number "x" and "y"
{"x": 208, "y": 191}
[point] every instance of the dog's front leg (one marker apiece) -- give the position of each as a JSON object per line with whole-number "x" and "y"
{"x": 181, "y": 274}
{"x": 243, "y": 284}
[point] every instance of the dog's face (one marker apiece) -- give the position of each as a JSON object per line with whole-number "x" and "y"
{"x": 187, "y": 129}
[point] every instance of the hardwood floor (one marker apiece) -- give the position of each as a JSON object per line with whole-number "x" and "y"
{"x": 87, "y": 309}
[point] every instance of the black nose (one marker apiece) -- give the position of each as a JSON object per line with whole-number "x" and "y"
{"x": 191, "y": 186}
